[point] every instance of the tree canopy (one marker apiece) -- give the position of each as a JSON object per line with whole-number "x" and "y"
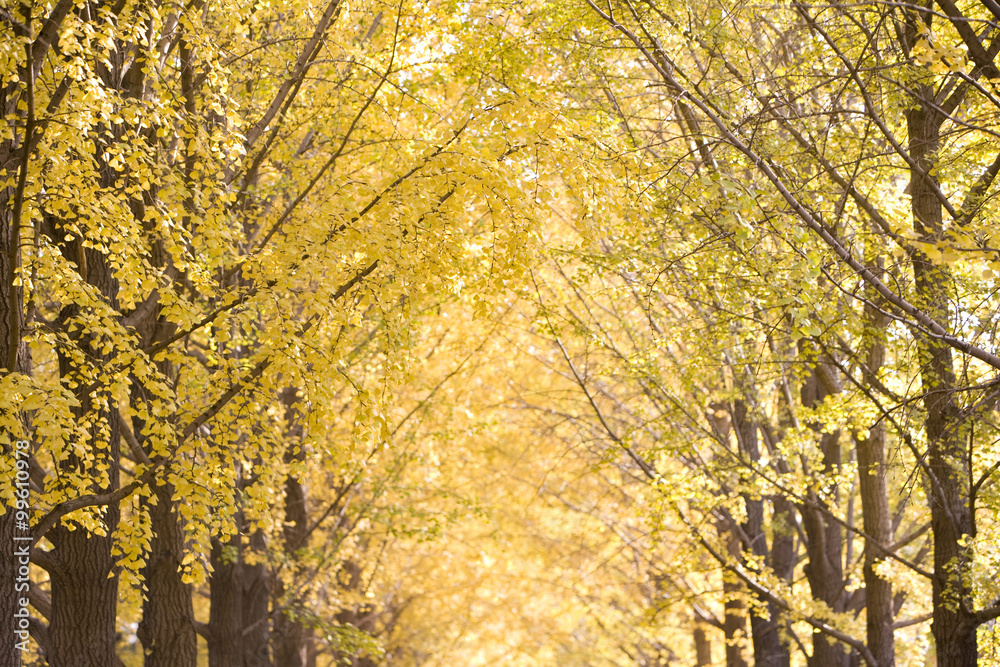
{"x": 585, "y": 332}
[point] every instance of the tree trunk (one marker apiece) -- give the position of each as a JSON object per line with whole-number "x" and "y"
{"x": 225, "y": 623}
{"x": 239, "y": 625}
{"x": 293, "y": 641}
{"x": 702, "y": 645}
{"x": 83, "y": 628}
{"x": 783, "y": 555}
{"x": 9, "y": 596}
{"x": 11, "y": 322}
{"x": 734, "y": 622}
{"x": 824, "y": 546}
{"x": 256, "y": 629}
{"x": 14, "y": 358}
{"x": 873, "y": 483}
{"x": 83, "y": 625}
{"x": 167, "y": 629}
{"x": 767, "y": 647}
{"x": 948, "y": 492}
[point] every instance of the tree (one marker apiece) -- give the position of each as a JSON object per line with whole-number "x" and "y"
{"x": 669, "y": 329}
{"x": 206, "y": 230}
{"x": 807, "y": 125}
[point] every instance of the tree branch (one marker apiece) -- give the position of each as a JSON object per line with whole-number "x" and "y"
{"x": 91, "y": 500}
{"x": 302, "y": 64}
{"x": 919, "y": 319}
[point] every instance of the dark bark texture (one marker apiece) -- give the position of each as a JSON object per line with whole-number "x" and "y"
{"x": 947, "y": 488}
{"x": 874, "y": 487}
{"x": 292, "y": 638}
{"x": 83, "y": 626}
{"x": 824, "y": 536}
{"x": 768, "y": 649}
{"x": 167, "y": 630}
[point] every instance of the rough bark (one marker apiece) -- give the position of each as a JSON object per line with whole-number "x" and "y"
{"x": 824, "y": 537}
{"x": 13, "y": 358}
{"x": 238, "y": 632}
{"x": 11, "y": 307}
{"x": 167, "y": 629}
{"x": 9, "y": 653}
{"x": 764, "y": 629}
{"x": 948, "y": 494}
{"x": 873, "y": 484}
{"x": 83, "y": 626}
{"x": 256, "y": 629}
{"x": 225, "y": 622}
{"x": 292, "y": 639}
{"x": 734, "y": 622}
